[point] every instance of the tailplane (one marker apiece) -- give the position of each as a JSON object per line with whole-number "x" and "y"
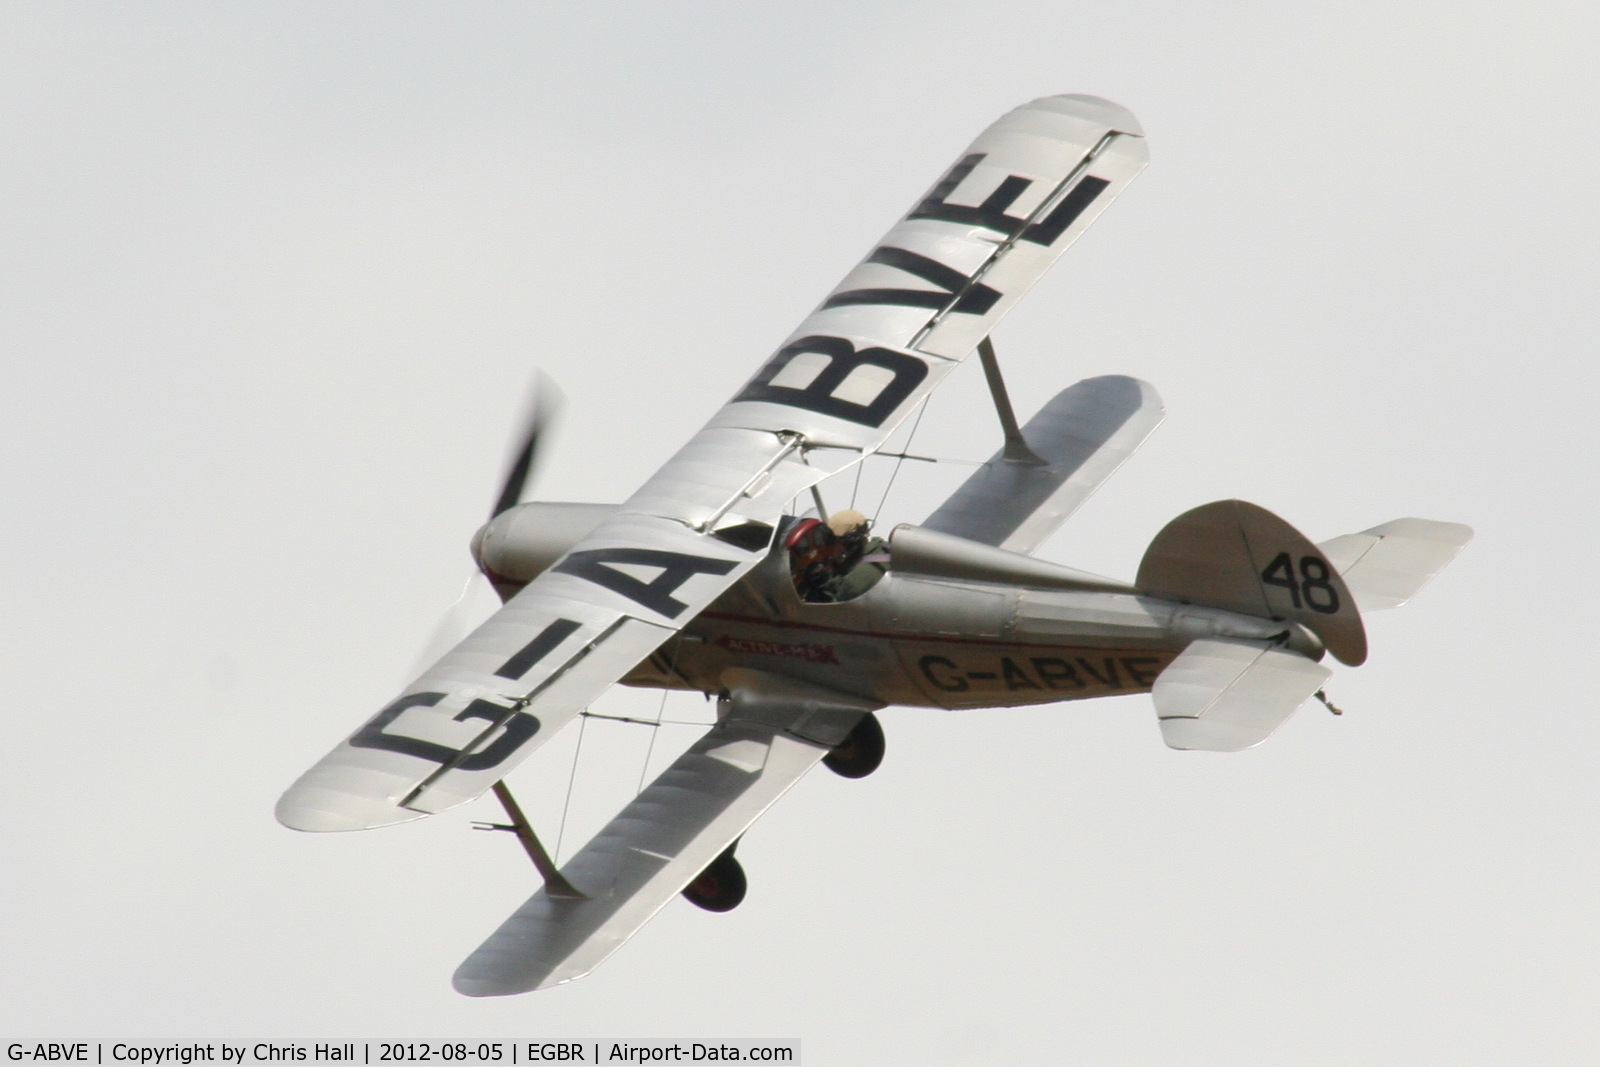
{"x": 1223, "y": 694}
{"x": 1226, "y": 695}
{"x": 1386, "y": 565}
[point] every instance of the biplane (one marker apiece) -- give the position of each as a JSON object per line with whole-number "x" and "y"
{"x": 726, "y": 574}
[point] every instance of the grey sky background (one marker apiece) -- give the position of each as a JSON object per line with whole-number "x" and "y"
{"x": 275, "y": 277}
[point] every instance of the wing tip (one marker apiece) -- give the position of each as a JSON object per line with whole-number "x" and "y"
{"x": 1095, "y": 108}
{"x": 472, "y": 979}
{"x": 483, "y": 987}
{"x": 309, "y": 811}
{"x": 1456, "y": 534}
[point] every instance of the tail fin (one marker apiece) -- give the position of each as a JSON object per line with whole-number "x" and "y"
{"x": 1240, "y": 557}
{"x": 1386, "y": 565}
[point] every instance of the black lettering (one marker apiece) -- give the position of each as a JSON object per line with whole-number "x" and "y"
{"x": 597, "y": 565}
{"x": 1064, "y": 214}
{"x": 1111, "y": 678}
{"x": 372, "y": 734}
{"x": 991, "y": 214}
{"x": 519, "y": 727}
{"x": 975, "y": 300}
{"x": 1319, "y": 593}
{"x": 953, "y": 683}
{"x": 1141, "y": 675}
{"x": 1280, "y": 572}
{"x": 1057, "y": 673}
{"x": 537, "y": 649}
{"x": 1015, "y": 676}
{"x": 953, "y": 178}
{"x": 843, "y": 359}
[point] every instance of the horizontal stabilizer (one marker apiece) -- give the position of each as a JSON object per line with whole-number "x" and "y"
{"x": 661, "y": 841}
{"x": 1083, "y": 435}
{"x": 1226, "y": 695}
{"x": 1386, "y": 566}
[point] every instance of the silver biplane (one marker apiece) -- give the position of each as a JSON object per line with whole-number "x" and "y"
{"x": 803, "y": 625}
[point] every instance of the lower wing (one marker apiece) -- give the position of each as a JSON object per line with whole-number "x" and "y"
{"x": 773, "y": 733}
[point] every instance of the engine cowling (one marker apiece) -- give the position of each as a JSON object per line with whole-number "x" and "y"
{"x": 520, "y": 543}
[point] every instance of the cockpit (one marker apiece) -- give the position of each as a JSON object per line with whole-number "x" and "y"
{"x": 837, "y": 560}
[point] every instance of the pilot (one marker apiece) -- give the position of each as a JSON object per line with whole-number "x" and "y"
{"x": 862, "y": 559}
{"x": 837, "y": 560}
{"x": 814, "y": 553}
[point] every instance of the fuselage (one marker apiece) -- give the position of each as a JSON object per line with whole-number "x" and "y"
{"x": 923, "y": 642}
{"x": 930, "y": 642}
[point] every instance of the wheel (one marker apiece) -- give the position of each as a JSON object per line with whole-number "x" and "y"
{"x": 859, "y": 754}
{"x": 720, "y": 887}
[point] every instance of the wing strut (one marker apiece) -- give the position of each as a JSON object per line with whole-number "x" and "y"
{"x": 822, "y": 509}
{"x": 555, "y": 883}
{"x": 1016, "y": 450}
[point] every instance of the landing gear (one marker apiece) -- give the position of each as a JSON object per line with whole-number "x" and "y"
{"x": 721, "y": 886}
{"x": 859, "y": 754}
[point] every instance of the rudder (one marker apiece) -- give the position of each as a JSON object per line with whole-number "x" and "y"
{"x": 1240, "y": 557}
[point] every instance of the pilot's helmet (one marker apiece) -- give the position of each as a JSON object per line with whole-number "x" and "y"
{"x": 848, "y": 523}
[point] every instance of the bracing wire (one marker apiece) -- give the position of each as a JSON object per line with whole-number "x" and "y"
{"x": 645, "y": 722}
{"x": 572, "y": 778}
{"x": 661, "y": 710}
{"x": 900, "y": 461}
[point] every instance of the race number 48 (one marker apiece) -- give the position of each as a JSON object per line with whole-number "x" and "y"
{"x": 1311, "y": 589}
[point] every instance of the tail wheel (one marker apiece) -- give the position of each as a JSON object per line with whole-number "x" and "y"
{"x": 859, "y": 754}
{"x": 720, "y": 887}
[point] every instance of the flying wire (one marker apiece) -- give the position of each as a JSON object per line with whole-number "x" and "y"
{"x": 900, "y": 461}
{"x": 572, "y": 778}
{"x": 661, "y": 711}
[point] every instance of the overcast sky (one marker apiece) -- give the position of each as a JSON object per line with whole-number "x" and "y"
{"x": 275, "y": 278}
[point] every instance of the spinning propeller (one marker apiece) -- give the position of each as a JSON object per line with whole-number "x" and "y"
{"x": 538, "y": 416}
{"x": 476, "y": 601}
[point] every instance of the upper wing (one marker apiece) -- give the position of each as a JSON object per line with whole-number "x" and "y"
{"x": 1084, "y": 434}
{"x": 855, "y": 368}
{"x": 774, "y": 733}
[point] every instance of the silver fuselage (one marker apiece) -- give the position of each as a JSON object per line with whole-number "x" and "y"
{"x": 937, "y": 643}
